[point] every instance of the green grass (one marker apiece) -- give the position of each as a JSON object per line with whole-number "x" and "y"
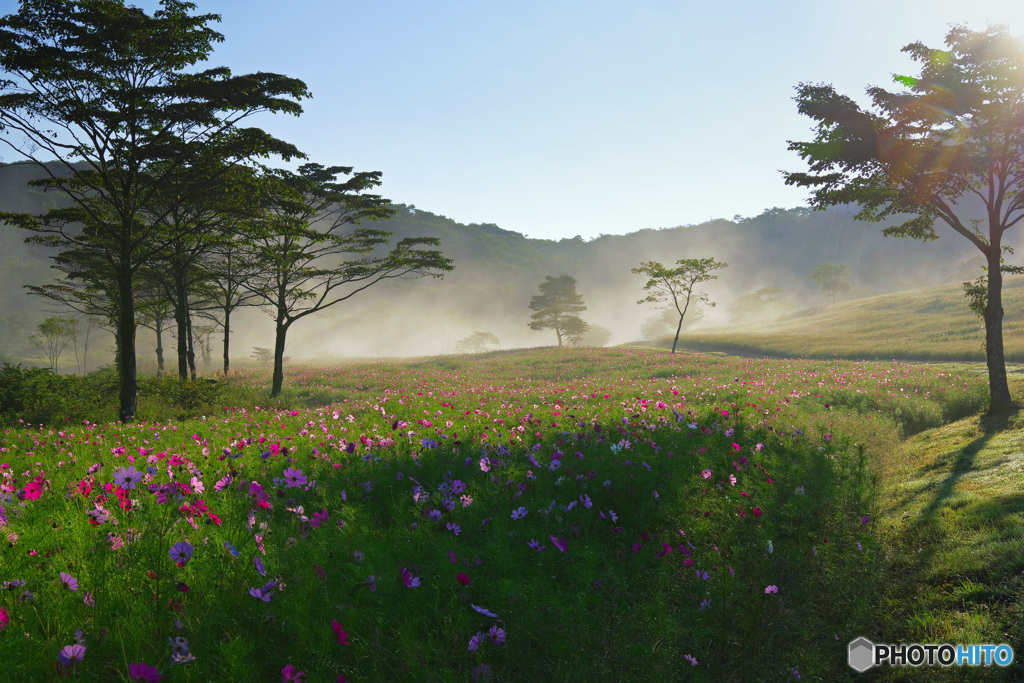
{"x": 924, "y": 324}
{"x": 952, "y": 527}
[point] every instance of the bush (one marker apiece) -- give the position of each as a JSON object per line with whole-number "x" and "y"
{"x": 39, "y": 396}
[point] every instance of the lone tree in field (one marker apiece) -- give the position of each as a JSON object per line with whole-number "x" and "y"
{"x": 676, "y": 285}
{"x": 556, "y": 306}
{"x": 951, "y": 140}
{"x": 107, "y": 100}
{"x": 476, "y": 343}
{"x": 832, "y": 278}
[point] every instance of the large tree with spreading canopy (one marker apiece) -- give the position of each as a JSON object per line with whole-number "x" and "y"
{"x": 947, "y": 147}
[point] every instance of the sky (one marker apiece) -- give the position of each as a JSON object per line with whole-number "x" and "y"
{"x": 558, "y": 118}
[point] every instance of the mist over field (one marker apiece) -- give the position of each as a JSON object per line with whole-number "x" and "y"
{"x": 497, "y": 271}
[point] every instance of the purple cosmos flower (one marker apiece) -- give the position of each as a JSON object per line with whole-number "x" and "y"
{"x": 454, "y": 528}
{"x": 559, "y": 543}
{"x": 319, "y": 518}
{"x": 265, "y": 593}
{"x": 484, "y": 611}
{"x": 519, "y": 512}
{"x": 71, "y": 654}
{"x": 474, "y": 642}
{"x": 535, "y": 544}
{"x": 127, "y": 478}
{"x": 294, "y": 478}
{"x": 259, "y": 565}
{"x": 496, "y": 634}
{"x": 771, "y": 589}
{"x": 69, "y": 581}
{"x": 181, "y": 553}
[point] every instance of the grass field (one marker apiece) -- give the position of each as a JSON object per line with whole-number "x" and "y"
{"x": 578, "y": 515}
{"x": 923, "y": 324}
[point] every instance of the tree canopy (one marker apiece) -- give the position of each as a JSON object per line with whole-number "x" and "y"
{"x": 556, "y": 306}
{"x": 947, "y": 147}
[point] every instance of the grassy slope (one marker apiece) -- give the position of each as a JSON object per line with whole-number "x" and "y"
{"x": 951, "y": 499}
{"x": 952, "y": 528}
{"x": 924, "y": 324}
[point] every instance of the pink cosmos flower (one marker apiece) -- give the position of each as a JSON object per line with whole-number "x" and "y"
{"x": 462, "y": 578}
{"x": 4, "y": 619}
{"x": 706, "y": 474}
{"x": 771, "y": 589}
{"x": 559, "y": 543}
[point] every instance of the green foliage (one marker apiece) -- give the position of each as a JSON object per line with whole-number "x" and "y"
{"x": 956, "y": 131}
{"x": 134, "y": 115}
{"x": 191, "y": 395}
{"x": 40, "y": 396}
{"x": 556, "y": 306}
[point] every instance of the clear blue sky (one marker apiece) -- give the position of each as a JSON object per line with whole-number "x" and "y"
{"x": 557, "y": 118}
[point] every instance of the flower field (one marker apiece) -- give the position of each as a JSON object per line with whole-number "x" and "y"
{"x": 578, "y": 515}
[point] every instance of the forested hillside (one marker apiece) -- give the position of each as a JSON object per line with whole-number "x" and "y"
{"x": 497, "y": 271}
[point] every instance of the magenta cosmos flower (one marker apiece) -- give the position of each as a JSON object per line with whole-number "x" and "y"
{"x": 140, "y": 672}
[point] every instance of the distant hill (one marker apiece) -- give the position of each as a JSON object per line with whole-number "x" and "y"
{"x": 497, "y": 271}
{"x": 931, "y": 324}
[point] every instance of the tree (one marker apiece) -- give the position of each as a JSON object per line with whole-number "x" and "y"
{"x": 676, "y": 285}
{"x": 556, "y": 306}
{"x": 54, "y": 335}
{"x": 109, "y": 92}
{"x": 764, "y": 304}
{"x": 663, "y": 323}
{"x": 477, "y": 343}
{"x": 314, "y": 261}
{"x": 951, "y": 140}
{"x": 597, "y": 336}
{"x": 832, "y": 278}
{"x": 574, "y": 330}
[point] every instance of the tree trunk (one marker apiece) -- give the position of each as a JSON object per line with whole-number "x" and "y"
{"x": 679, "y": 328}
{"x": 278, "y": 383}
{"x": 999, "y": 390}
{"x": 191, "y": 350}
{"x": 159, "y": 348}
{"x": 227, "y": 333}
{"x": 182, "y": 342}
{"x": 126, "y": 368}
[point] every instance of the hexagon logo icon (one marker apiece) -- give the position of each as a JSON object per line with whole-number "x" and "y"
{"x": 862, "y": 654}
